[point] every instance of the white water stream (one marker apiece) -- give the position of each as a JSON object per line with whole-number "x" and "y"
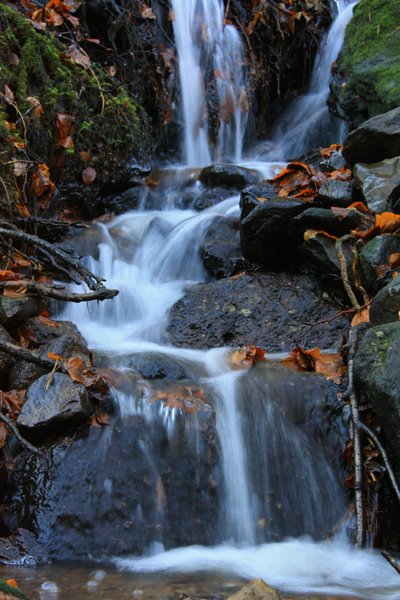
{"x": 278, "y": 480}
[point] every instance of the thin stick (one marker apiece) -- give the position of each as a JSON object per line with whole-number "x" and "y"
{"x": 17, "y": 434}
{"x": 381, "y": 449}
{"x": 343, "y": 270}
{"x": 355, "y": 420}
{"x": 391, "y": 560}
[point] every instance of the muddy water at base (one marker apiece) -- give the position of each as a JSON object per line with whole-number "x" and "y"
{"x": 102, "y": 582}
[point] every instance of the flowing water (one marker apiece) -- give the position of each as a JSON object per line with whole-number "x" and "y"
{"x": 307, "y": 124}
{"x": 271, "y": 487}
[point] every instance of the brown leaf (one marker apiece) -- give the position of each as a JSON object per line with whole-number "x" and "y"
{"x": 361, "y": 316}
{"x": 329, "y": 365}
{"x": 3, "y": 434}
{"x": 38, "y": 109}
{"x": 49, "y": 322}
{"x": 87, "y": 376}
{"x": 85, "y": 156}
{"x": 15, "y": 290}
{"x": 23, "y": 210}
{"x": 65, "y": 127}
{"x": 89, "y": 175}
{"x": 327, "y": 152}
{"x": 8, "y": 95}
{"x": 12, "y": 401}
{"x": 246, "y": 357}
{"x": 310, "y": 234}
{"x": 77, "y": 56}
{"x": 227, "y": 108}
{"x": 6, "y": 275}
{"x": 42, "y": 185}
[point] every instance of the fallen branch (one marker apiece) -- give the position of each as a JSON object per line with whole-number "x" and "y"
{"x": 25, "y": 354}
{"x": 55, "y": 292}
{"x": 59, "y": 258}
{"x": 17, "y": 434}
{"x": 391, "y": 560}
{"x": 355, "y": 421}
{"x": 343, "y": 269}
{"x": 381, "y": 449}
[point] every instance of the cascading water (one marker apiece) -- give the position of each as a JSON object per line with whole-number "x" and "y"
{"x": 307, "y": 123}
{"x": 208, "y": 51}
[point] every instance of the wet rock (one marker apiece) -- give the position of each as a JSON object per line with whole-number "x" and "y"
{"x": 228, "y": 176}
{"x": 375, "y": 254}
{"x": 336, "y": 193}
{"x": 253, "y": 196}
{"x": 378, "y": 182}
{"x": 17, "y": 310}
{"x": 155, "y": 366}
{"x": 63, "y": 339}
{"x": 220, "y": 250}
{"x": 129, "y": 199}
{"x": 210, "y": 197}
{"x": 377, "y": 375}
{"x": 385, "y": 307}
{"x": 111, "y": 491}
{"x": 22, "y": 549}
{"x": 5, "y": 359}
{"x": 375, "y": 140}
{"x": 320, "y": 252}
{"x": 53, "y": 408}
{"x": 256, "y": 589}
{"x": 264, "y": 233}
{"x": 130, "y": 175}
{"x": 333, "y": 163}
{"x": 266, "y": 309}
{"x": 324, "y": 219}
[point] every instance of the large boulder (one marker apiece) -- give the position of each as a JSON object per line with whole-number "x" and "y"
{"x": 324, "y": 219}
{"x": 210, "y": 197}
{"x": 385, "y": 307}
{"x": 378, "y": 182}
{"x": 336, "y": 193}
{"x": 220, "y": 249}
{"x": 366, "y": 73}
{"x": 53, "y": 404}
{"x": 228, "y": 176}
{"x": 254, "y": 195}
{"x": 376, "y": 370}
{"x": 267, "y": 309}
{"x": 374, "y": 256}
{"x": 264, "y": 232}
{"x": 375, "y": 140}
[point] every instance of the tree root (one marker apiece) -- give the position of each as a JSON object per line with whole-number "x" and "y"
{"x": 54, "y": 291}
{"x": 60, "y": 259}
{"x": 17, "y": 434}
{"x": 343, "y": 269}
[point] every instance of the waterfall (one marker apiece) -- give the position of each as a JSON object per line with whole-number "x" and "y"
{"x": 307, "y": 123}
{"x": 210, "y": 55}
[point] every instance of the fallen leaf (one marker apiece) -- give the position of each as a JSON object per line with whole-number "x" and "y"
{"x": 330, "y": 365}
{"x": 12, "y": 583}
{"x": 89, "y": 175}
{"x": 3, "y": 434}
{"x": 85, "y": 156}
{"x": 310, "y": 234}
{"x": 49, "y": 322}
{"x": 8, "y": 95}
{"x": 42, "y": 185}
{"x": 77, "y": 56}
{"x": 7, "y": 275}
{"x": 38, "y": 109}
{"x": 23, "y": 210}
{"x": 65, "y": 127}
{"x": 327, "y": 152}
{"x": 246, "y": 357}
{"x": 361, "y": 316}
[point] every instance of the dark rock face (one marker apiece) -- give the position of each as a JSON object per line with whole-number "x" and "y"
{"x": 270, "y": 310}
{"x": 16, "y": 310}
{"x": 5, "y": 359}
{"x": 55, "y": 407}
{"x": 385, "y": 306}
{"x": 210, "y": 197}
{"x": 22, "y": 549}
{"x": 375, "y": 140}
{"x": 249, "y": 198}
{"x": 336, "y": 193}
{"x": 376, "y": 253}
{"x": 379, "y": 183}
{"x": 220, "y": 249}
{"x": 320, "y": 252}
{"x": 111, "y": 491}
{"x": 325, "y": 219}
{"x": 228, "y": 176}
{"x": 264, "y": 233}
{"x": 376, "y": 373}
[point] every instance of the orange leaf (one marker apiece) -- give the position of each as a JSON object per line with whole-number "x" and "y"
{"x": 387, "y": 222}
{"x": 89, "y": 175}
{"x": 53, "y": 356}
{"x": 12, "y": 583}
{"x": 361, "y": 316}
{"x": 85, "y": 156}
{"x": 7, "y": 275}
{"x": 246, "y": 356}
{"x": 15, "y": 289}
{"x": 360, "y": 206}
{"x": 46, "y": 321}
{"x": 42, "y": 185}
{"x": 329, "y": 365}
{"x": 394, "y": 260}
{"x": 65, "y": 127}
{"x": 23, "y": 210}
{"x": 312, "y": 233}
{"x": 38, "y": 109}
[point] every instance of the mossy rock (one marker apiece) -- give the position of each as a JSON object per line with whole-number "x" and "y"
{"x": 366, "y": 78}
{"x": 109, "y": 126}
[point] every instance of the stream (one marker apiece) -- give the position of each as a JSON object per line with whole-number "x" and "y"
{"x": 242, "y": 472}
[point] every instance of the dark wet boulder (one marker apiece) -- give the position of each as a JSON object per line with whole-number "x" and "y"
{"x": 53, "y": 405}
{"x": 22, "y": 549}
{"x": 266, "y": 309}
{"x": 376, "y": 370}
{"x": 5, "y": 359}
{"x": 99, "y": 204}
{"x": 325, "y": 219}
{"x": 130, "y": 175}
{"x": 336, "y": 193}
{"x": 265, "y": 232}
{"x": 228, "y": 176}
{"x": 319, "y": 251}
{"x": 254, "y": 195}
{"x": 375, "y": 140}
{"x": 333, "y": 163}
{"x": 375, "y": 254}
{"x": 378, "y": 182}
{"x": 111, "y": 491}
{"x": 61, "y": 338}
{"x": 385, "y": 307}
{"x": 210, "y": 197}
{"x": 154, "y": 366}
{"x": 17, "y": 310}
{"x": 220, "y": 249}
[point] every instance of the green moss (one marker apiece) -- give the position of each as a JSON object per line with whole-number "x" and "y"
{"x": 109, "y": 124}
{"x": 370, "y": 61}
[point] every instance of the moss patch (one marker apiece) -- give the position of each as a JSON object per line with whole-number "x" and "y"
{"x": 109, "y": 125}
{"x": 367, "y": 74}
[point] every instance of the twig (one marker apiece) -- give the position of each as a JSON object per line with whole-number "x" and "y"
{"x": 55, "y": 291}
{"x": 17, "y": 434}
{"x": 391, "y": 560}
{"x": 356, "y": 274}
{"x": 25, "y": 354}
{"x": 381, "y": 449}
{"x": 343, "y": 269}
{"x": 53, "y": 253}
{"x": 352, "y": 347}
